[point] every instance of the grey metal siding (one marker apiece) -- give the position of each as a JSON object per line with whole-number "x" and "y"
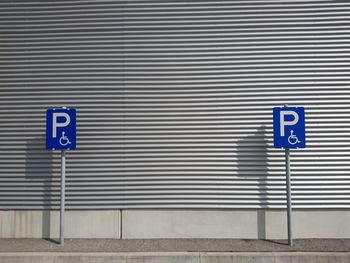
{"x": 174, "y": 102}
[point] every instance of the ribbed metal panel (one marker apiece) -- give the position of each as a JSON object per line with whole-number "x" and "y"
{"x": 174, "y": 102}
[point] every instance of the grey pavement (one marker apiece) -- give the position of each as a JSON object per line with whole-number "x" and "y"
{"x": 174, "y": 245}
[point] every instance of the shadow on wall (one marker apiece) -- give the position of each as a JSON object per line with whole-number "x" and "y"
{"x": 252, "y": 163}
{"x": 39, "y": 174}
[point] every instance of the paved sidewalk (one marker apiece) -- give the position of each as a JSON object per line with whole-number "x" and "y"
{"x": 174, "y": 245}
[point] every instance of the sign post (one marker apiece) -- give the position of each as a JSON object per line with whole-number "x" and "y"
{"x": 289, "y": 133}
{"x": 63, "y": 195}
{"x": 61, "y": 135}
{"x": 289, "y": 199}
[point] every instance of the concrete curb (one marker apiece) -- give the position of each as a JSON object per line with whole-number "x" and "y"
{"x": 175, "y": 257}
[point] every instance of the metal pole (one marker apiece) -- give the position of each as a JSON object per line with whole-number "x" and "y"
{"x": 63, "y": 187}
{"x": 289, "y": 199}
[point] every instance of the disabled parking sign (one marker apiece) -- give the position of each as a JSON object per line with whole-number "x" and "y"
{"x": 289, "y": 127}
{"x": 61, "y": 129}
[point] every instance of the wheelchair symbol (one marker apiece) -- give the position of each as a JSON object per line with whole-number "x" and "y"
{"x": 293, "y": 139}
{"x": 64, "y": 140}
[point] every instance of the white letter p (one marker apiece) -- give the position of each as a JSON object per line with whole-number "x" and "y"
{"x": 287, "y": 123}
{"x": 56, "y": 124}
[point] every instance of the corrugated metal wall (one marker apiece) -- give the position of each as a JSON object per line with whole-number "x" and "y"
{"x": 174, "y": 102}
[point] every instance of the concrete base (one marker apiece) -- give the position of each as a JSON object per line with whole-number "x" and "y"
{"x": 157, "y": 224}
{"x": 175, "y": 257}
{"x": 45, "y": 224}
{"x": 242, "y": 224}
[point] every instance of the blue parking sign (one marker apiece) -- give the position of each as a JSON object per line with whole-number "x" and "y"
{"x": 289, "y": 127}
{"x": 61, "y": 129}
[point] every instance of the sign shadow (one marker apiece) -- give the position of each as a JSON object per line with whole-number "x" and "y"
{"x": 252, "y": 162}
{"x": 39, "y": 173}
